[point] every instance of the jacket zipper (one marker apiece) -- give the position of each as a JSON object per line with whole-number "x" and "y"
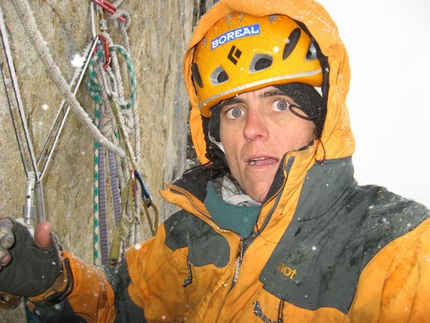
{"x": 239, "y": 258}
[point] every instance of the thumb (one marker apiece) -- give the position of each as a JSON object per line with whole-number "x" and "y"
{"x": 42, "y": 236}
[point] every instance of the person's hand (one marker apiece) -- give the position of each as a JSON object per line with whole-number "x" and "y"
{"x": 6, "y": 241}
{"x": 28, "y": 267}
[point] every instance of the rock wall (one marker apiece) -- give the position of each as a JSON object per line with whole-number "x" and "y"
{"x": 158, "y": 37}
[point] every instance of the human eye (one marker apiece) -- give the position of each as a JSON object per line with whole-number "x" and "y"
{"x": 233, "y": 112}
{"x": 281, "y": 105}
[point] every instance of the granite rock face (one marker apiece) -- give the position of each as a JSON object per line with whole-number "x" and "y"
{"x": 158, "y": 36}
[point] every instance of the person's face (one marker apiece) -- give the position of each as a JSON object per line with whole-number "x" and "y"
{"x": 256, "y": 129}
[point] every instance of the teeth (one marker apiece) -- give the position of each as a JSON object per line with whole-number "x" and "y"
{"x": 254, "y": 161}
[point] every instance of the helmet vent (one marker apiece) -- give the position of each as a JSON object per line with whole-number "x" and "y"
{"x": 291, "y": 43}
{"x": 196, "y": 75}
{"x": 312, "y": 52}
{"x": 260, "y": 62}
{"x": 219, "y": 76}
{"x": 272, "y": 18}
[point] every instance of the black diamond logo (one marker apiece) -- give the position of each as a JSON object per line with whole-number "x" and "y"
{"x": 234, "y": 54}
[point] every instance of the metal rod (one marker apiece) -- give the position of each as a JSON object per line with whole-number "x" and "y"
{"x": 14, "y": 123}
{"x": 64, "y": 112}
{"x": 28, "y": 209}
{"x": 12, "y": 73}
{"x": 40, "y": 203}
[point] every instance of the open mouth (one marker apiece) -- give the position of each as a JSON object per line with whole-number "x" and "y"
{"x": 254, "y": 161}
{"x": 262, "y": 161}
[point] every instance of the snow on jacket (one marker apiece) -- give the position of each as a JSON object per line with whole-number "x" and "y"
{"x": 323, "y": 249}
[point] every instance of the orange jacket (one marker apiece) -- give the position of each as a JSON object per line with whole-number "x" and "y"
{"x": 323, "y": 250}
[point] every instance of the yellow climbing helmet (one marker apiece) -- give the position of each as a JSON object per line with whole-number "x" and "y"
{"x": 243, "y": 53}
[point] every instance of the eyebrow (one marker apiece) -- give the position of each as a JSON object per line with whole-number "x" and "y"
{"x": 230, "y": 101}
{"x": 271, "y": 93}
{"x": 263, "y": 95}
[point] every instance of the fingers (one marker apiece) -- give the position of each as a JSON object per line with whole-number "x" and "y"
{"x": 42, "y": 236}
{"x": 7, "y": 239}
{"x": 5, "y": 258}
{"x": 42, "y": 239}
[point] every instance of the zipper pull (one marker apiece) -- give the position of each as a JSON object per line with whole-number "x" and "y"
{"x": 241, "y": 248}
{"x": 239, "y": 258}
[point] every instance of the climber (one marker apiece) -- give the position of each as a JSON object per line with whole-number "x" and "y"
{"x": 272, "y": 225}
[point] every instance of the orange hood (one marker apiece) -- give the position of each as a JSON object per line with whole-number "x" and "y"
{"x": 337, "y": 138}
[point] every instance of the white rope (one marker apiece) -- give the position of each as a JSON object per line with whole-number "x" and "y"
{"x": 28, "y": 21}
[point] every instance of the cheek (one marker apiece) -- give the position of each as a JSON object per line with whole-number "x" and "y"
{"x": 230, "y": 142}
{"x": 227, "y": 137}
{"x": 290, "y": 138}
{"x": 309, "y": 131}
{"x": 229, "y": 146}
{"x": 301, "y": 131}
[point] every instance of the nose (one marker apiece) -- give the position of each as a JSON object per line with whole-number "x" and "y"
{"x": 255, "y": 126}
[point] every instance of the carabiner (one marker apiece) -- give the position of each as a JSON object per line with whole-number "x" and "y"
{"x": 146, "y": 197}
{"x": 109, "y": 7}
{"x": 107, "y": 56}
